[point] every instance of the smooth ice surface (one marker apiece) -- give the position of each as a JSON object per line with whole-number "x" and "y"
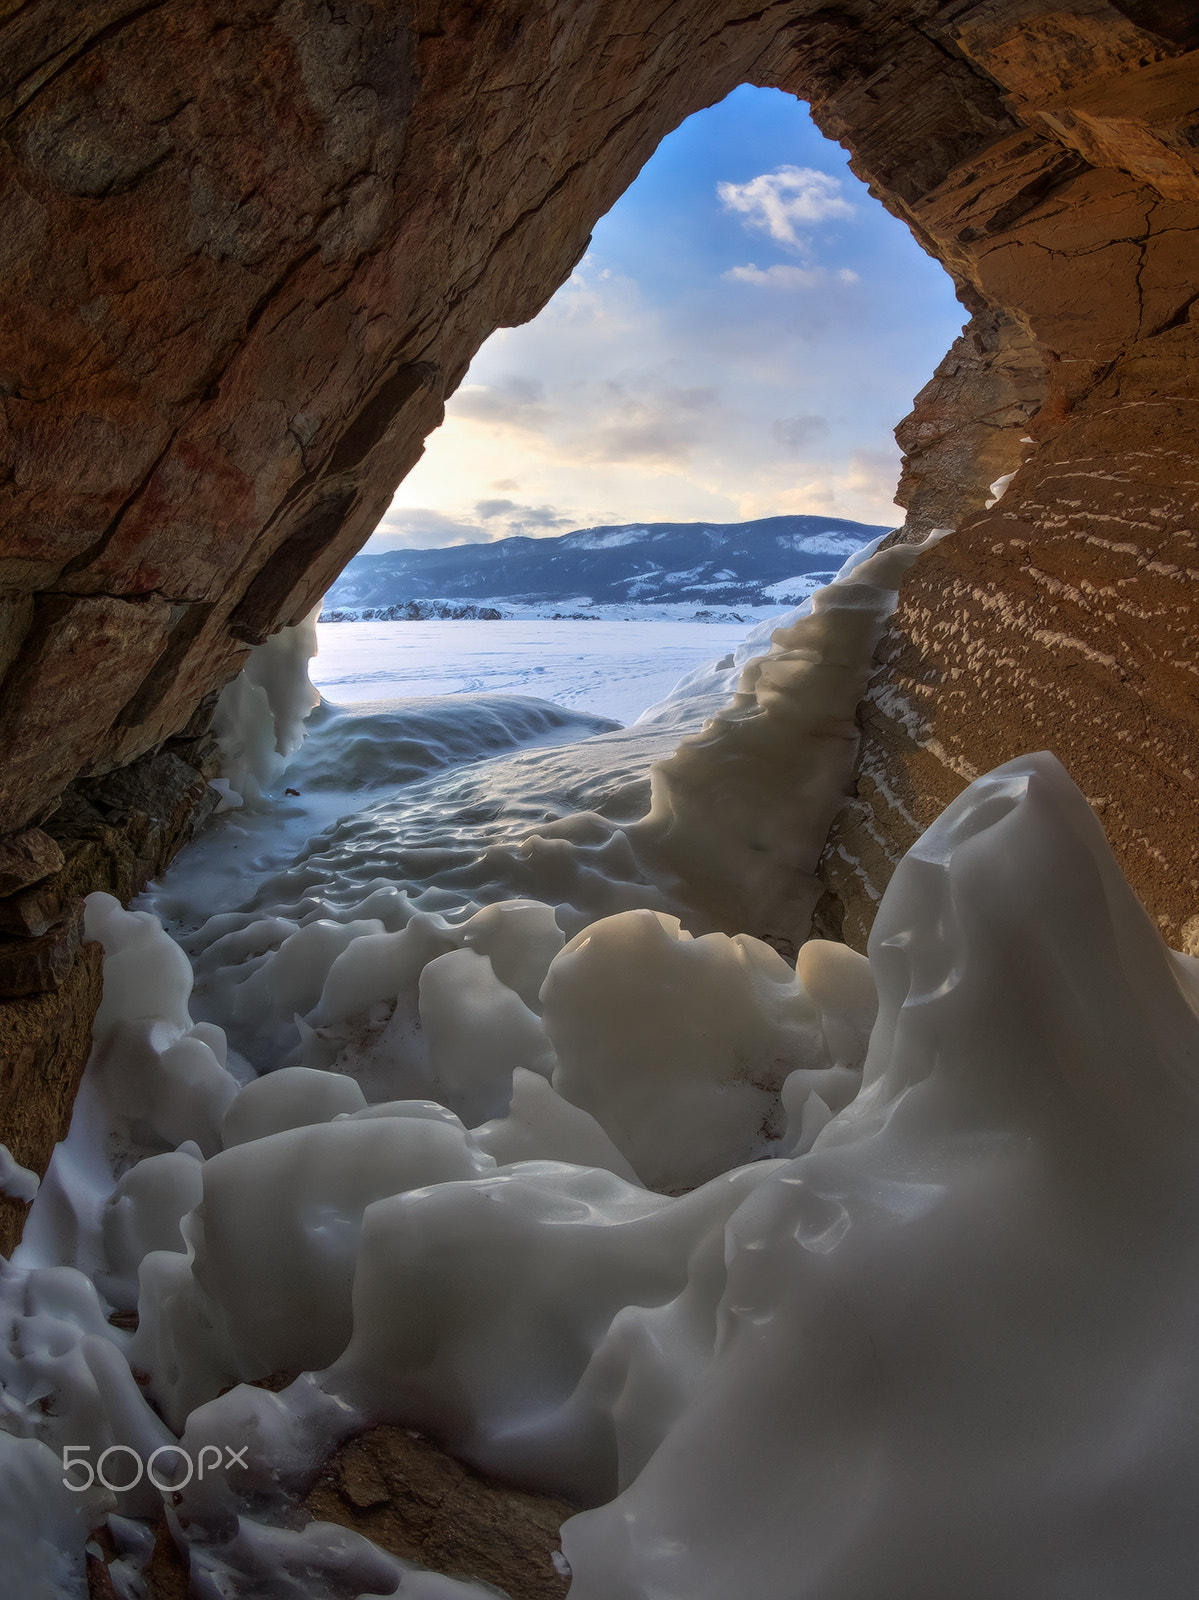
{"x": 15, "y": 1180}
{"x": 608, "y": 668}
{"x": 955, "y": 1354}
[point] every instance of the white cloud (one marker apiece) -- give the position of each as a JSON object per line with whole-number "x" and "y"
{"x": 785, "y": 277}
{"x": 622, "y": 404}
{"x": 513, "y": 401}
{"x": 514, "y": 518}
{"x": 423, "y": 528}
{"x": 644, "y": 419}
{"x": 780, "y": 203}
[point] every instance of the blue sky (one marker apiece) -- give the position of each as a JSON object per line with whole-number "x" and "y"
{"x": 742, "y": 336}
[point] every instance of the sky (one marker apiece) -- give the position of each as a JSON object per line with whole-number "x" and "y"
{"x": 739, "y": 341}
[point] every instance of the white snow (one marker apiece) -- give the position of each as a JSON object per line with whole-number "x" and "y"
{"x": 999, "y": 488}
{"x": 872, "y": 1278}
{"x": 16, "y": 1181}
{"x": 795, "y": 589}
{"x": 608, "y": 668}
{"x": 832, "y": 543}
{"x": 260, "y": 716}
{"x": 605, "y": 539}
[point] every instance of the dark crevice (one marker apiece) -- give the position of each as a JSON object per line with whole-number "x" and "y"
{"x": 95, "y": 550}
{"x": 375, "y": 417}
{"x": 265, "y": 300}
{"x": 1176, "y": 319}
{"x": 256, "y": 614}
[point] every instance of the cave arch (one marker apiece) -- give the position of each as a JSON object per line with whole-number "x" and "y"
{"x": 249, "y": 249}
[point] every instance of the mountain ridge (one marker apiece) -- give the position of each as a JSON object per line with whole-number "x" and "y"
{"x": 769, "y": 561}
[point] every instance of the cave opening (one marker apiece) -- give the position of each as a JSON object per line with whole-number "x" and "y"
{"x": 492, "y": 1113}
{"x": 737, "y": 343}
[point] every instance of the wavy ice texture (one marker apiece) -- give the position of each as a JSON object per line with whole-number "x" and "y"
{"x": 918, "y": 1327}
{"x": 685, "y": 1074}
{"x": 43, "y": 1526}
{"x": 740, "y": 812}
{"x": 379, "y": 743}
{"x": 970, "y": 1300}
{"x": 946, "y": 1350}
{"x": 581, "y": 829}
{"x": 259, "y": 719}
{"x": 955, "y": 1349}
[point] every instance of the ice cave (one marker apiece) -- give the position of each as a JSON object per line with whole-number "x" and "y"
{"x": 747, "y": 1153}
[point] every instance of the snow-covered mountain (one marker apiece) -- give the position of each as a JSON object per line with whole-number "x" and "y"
{"x": 771, "y": 562}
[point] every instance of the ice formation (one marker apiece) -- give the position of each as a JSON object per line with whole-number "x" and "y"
{"x": 259, "y": 719}
{"x": 741, "y": 810}
{"x": 868, "y": 1278}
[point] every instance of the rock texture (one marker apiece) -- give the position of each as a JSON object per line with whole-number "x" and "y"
{"x": 112, "y": 833}
{"x": 1064, "y": 617}
{"x": 409, "y": 1497}
{"x": 248, "y": 246}
{"x": 44, "y": 1044}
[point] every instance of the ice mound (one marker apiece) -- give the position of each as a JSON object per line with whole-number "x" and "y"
{"x": 955, "y": 1350}
{"x": 259, "y": 718}
{"x": 725, "y": 833}
{"x": 939, "y": 1342}
{"x": 685, "y": 1073}
{"x": 741, "y": 810}
{"x": 384, "y": 742}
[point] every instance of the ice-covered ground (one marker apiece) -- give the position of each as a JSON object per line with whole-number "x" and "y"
{"x": 867, "y": 1280}
{"x": 611, "y": 669}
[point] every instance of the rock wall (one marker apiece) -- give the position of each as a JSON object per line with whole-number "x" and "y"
{"x": 249, "y": 246}
{"x": 1064, "y": 616}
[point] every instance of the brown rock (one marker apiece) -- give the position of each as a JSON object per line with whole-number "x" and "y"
{"x": 33, "y": 966}
{"x": 33, "y": 911}
{"x": 26, "y": 858}
{"x": 265, "y": 252}
{"x": 1062, "y": 619}
{"x": 111, "y": 833}
{"x": 968, "y": 424}
{"x": 44, "y": 1044}
{"x": 418, "y": 1503}
{"x": 80, "y": 663}
{"x": 165, "y": 1575}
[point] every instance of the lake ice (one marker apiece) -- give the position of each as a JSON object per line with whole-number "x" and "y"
{"x": 612, "y": 669}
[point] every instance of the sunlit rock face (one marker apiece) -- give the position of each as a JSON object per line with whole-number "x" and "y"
{"x": 1063, "y": 615}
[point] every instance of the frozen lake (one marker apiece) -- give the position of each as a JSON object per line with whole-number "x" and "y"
{"x": 612, "y": 669}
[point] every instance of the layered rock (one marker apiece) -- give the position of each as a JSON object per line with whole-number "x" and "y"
{"x": 1064, "y": 616}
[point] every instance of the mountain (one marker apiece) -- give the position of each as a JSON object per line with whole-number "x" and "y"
{"x": 771, "y": 562}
